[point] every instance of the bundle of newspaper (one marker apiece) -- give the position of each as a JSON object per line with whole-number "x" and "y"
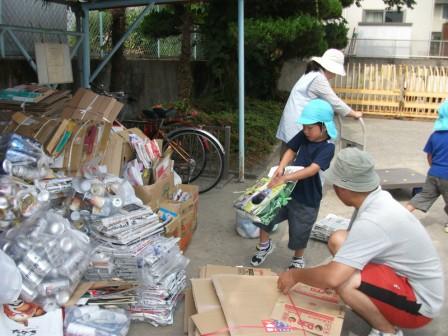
{"x": 162, "y": 280}
{"x": 261, "y": 203}
{"x": 121, "y": 239}
{"x": 323, "y": 228}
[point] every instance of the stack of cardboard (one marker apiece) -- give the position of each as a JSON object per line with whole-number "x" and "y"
{"x": 246, "y": 301}
{"x": 34, "y": 99}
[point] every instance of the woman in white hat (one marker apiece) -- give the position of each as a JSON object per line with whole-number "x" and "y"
{"x": 314, "y": 84}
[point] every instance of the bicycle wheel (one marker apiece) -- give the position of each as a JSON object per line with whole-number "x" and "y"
{"x": 198, "y": 157}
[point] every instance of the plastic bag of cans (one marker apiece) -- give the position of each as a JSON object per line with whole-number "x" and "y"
{"x": 51, "y": 256}
{"x": 18, "y": 201}
{"x": 93, "y": 320}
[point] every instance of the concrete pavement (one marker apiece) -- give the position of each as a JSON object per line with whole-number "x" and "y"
{"x": 393, "y": 144}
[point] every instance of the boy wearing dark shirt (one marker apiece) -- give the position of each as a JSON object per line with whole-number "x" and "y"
{"x": 311, "y": 149}
{"x": 436, "y": 183}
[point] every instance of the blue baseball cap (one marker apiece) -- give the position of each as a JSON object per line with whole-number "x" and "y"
{"x": 441, "y": 123}
{"x": 319, "y": 110}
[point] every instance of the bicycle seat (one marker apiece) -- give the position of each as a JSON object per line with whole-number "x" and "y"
{"x": 159, "y": 113}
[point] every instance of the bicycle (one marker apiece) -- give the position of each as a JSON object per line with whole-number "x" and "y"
{"x": 197, "y": 154}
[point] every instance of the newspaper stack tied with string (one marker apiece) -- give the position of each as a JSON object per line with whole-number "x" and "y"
{"x": 260, "y": 203}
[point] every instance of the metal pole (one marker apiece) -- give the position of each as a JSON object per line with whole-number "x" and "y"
{"x": 22, "y": 49}
{"x": 2, "y": 39}
{"x": 85, "y": 49}
{"x": 241, "y": 87}
{"x": 100, "y": 19}
{"x": 227, "y": 131}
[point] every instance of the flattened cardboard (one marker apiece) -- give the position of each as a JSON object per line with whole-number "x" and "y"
{"x": 210, "y": 317}
{"x": 189, "y": 309}
{"x": 248, "y": 312}
{"x": 204, "y": 295}
{"x": 209, "y": 270}
{"x": 211, "y": 322}
{"x": 317, "y": 311}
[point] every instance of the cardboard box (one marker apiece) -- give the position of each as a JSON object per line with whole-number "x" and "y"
{"x": 207, "y": 271}
{"x": 311, "y": 309}
{"x": 152, "y": 195}
{"x": 87, "y": 105}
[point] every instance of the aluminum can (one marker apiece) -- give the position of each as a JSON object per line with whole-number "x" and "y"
{"x": 32, "y": 278}
{"x": 28, "y": 293}
{"x": 37, "y": 262}
{"x": 70, "y": 264}
{"x": 53, "y": 286}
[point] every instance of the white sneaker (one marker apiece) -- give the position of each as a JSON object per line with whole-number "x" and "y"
{"x": 261, "y": 254}
{"x": 376, "y": 332}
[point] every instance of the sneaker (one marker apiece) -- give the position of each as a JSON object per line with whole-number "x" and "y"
{"x": 446, "y": 227}
{"x": 376, "y": 332}
{"x": 297, "y": 262}
{"x": 261, "y": 254}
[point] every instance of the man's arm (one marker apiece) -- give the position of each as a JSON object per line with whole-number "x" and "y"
{"x": 331, "y": 275}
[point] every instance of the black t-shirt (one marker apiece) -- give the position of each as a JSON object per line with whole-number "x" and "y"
{"x": 309, "y": 190}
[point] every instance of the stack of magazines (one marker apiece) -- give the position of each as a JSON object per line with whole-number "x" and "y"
{"x": 260, "y": 203}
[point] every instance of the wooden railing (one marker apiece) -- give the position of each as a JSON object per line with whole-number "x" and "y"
{"x": 393, "y": 90}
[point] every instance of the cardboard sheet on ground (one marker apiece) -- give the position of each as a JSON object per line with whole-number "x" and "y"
{"x": 210, "y": 317}
{"x": 247, "y": 303}
{"x": 318, "y": 311}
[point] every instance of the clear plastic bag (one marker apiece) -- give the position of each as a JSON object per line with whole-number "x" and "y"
{"x": 51, "y": 256}
{"x": 96, "y": 321}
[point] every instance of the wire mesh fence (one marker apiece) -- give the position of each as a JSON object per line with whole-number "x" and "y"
{"x": 31, "y": 14}
{"x": 34, "y": 14}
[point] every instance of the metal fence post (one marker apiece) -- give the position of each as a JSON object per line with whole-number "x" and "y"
{"x": 227, "y": 130}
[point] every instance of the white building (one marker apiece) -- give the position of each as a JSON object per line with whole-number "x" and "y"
{"x": 378, "y": 32}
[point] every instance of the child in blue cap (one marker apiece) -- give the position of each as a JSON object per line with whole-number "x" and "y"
{"x": 311, "y": 149}
{"x": 436, "y": 183}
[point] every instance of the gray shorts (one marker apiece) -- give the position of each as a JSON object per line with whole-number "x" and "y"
{"x": 432, "y": 189}
{"x": 300, "y": 219}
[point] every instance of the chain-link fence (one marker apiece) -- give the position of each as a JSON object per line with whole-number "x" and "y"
{"x": 137, "y": 44}
{"x": 35, "y": 14}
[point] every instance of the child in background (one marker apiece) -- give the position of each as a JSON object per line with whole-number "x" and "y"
{"x": 311, "y": 149}
{"x": 436, "y": 183}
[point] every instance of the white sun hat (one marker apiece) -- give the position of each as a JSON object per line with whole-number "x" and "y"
{"x": 332, "y": 60}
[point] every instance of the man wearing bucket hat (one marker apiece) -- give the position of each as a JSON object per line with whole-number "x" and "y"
{"x": 313, "y": 84}
{"x": 436, "y": 183}
{"x": 386, "y": 267}
{"x": 311, "y": 149}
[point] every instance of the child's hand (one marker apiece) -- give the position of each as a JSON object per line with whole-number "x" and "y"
{"x": 276, "y": 180}
{"x": 285, "y": 281}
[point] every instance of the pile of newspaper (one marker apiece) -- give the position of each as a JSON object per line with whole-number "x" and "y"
{"x": 323, "y": 228}
{"x": 162, "y": 280}
{"x": 121, "y": 239}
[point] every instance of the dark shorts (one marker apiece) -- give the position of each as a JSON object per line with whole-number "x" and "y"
{"x": 300, "y": 219}
{"x": 392, "y": 295}
{"x": 432, "y": 189}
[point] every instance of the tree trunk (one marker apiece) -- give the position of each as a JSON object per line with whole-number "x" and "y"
{"x": 184, "y": 76}
{"x": 118, "y": 61}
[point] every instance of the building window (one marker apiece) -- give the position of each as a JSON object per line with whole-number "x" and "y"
{"x": 373, "y": 16}
{"x": 393, "y": 16}
{"x": 445, "y": 11}
{"x": 383, "y": 16}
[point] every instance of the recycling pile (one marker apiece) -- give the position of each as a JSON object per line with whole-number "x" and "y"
{"x": 323, "y": 228}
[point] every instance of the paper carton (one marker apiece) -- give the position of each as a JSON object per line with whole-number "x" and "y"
{"x": 314, "y": 310}
{"x": 87, "y": 105}
{"x": 156, "y": 193}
